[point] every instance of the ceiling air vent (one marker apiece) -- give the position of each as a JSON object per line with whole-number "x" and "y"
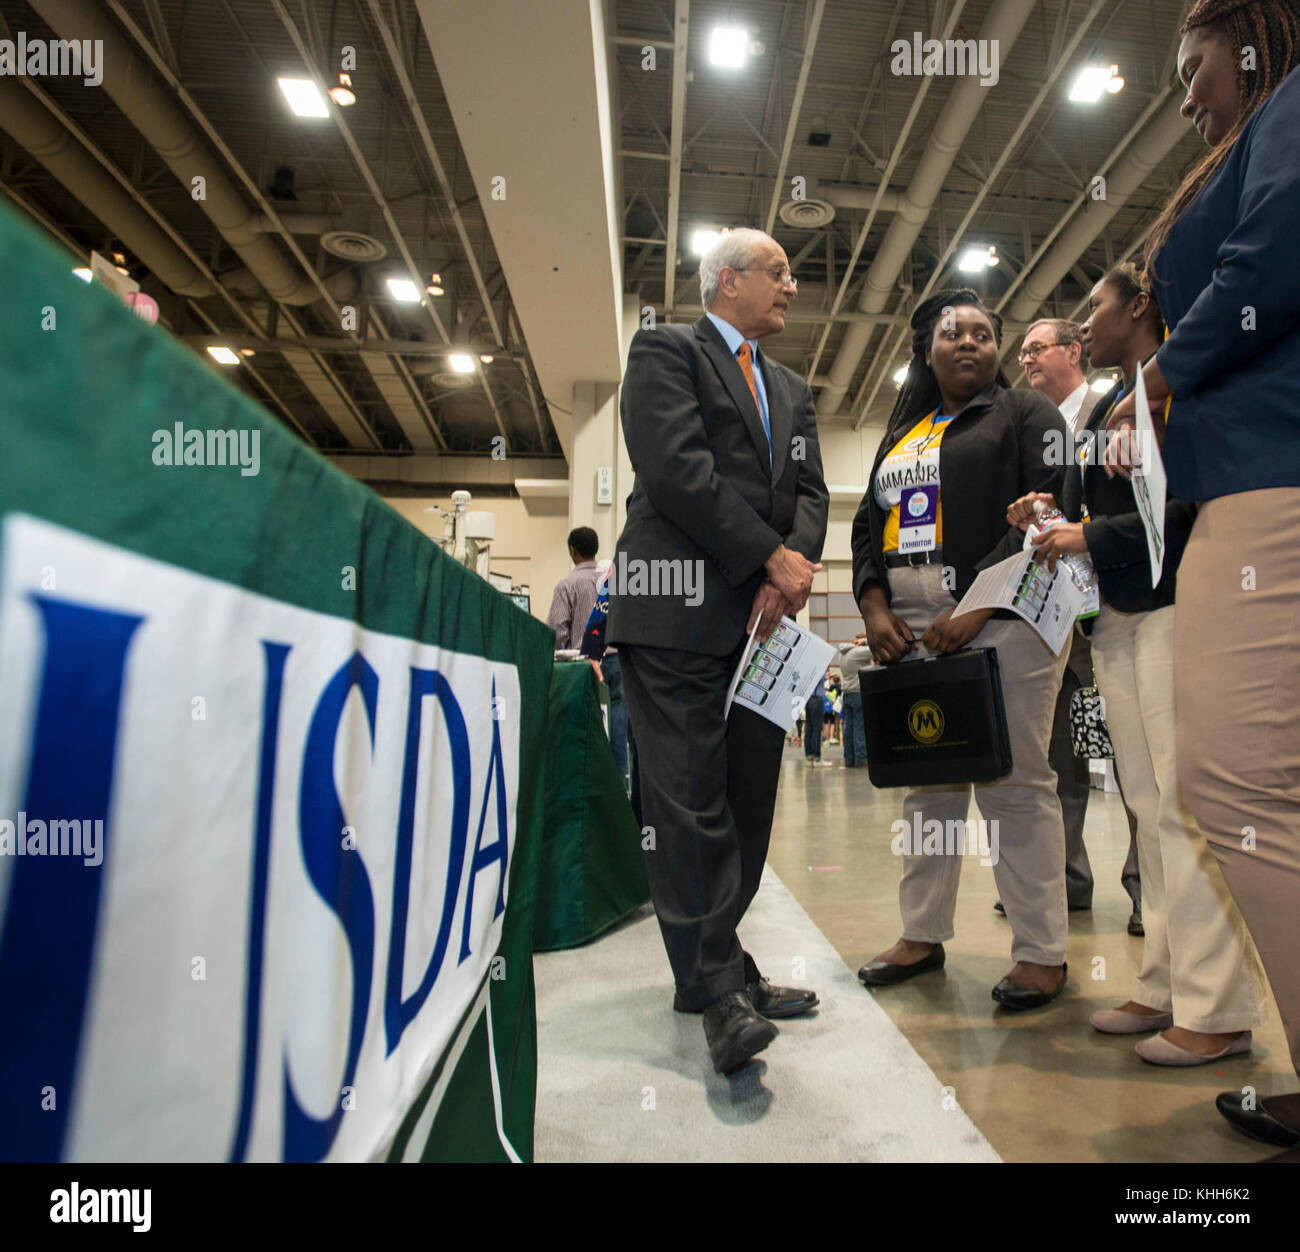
{"x": 807, "y": 214}
{"x": 351, "y": 245}
{"x": 452, "y": 381}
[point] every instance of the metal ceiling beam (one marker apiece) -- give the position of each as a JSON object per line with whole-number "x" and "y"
{"x": 677, "y": 116}
{"x": 812, "y": 30}
{"x": 883, "y": 362}
{"x": 435, "y": 161}
{"x": 1116, "y": 153}
{"x": 895, "y": 156}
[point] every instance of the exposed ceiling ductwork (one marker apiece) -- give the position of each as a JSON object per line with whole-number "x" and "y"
{"x": 133, "y": 88}
{"x": 1150, "y": 147}
{"x": 42, "y": 134}
{"x": 1002, "y": 25}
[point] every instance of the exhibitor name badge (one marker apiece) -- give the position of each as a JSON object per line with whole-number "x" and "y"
{"x": 307, "y": 836}
{"x": 918, "y": 516}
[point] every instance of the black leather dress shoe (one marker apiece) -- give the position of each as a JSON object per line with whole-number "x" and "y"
{"x": 1010, "y": 996}
{"x": 773, "y": 1001}
{"x": 1257, "y": 1123}
{"x": 736, "y": 1034}
{"x": 1135, "y": 926}
{"x": 885, "y": 974}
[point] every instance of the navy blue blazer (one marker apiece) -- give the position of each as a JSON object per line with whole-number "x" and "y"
{"x": 1228, "y": 283}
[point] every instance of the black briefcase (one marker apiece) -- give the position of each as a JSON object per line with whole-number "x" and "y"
{"x": 936, "y": 720}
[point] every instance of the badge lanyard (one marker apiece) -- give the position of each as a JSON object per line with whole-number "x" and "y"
{"x": 918, "y": 507}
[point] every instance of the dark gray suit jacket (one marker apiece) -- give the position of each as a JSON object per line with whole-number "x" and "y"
{"x": 704, "y": 490}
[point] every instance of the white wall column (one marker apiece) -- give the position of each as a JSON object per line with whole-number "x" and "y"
{"x": 595, "y": 438}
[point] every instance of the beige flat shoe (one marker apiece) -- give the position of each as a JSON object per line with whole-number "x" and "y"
{"x": 1159, "y": 1051}
{"x": 1118, "y": 1022}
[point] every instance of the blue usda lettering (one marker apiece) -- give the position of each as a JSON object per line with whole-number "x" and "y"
{"x": 341, "y": 881}
{"x": 276, "y": 655}
{"x": 49, "y": 931}
{"x": 398, "y": 1012}
{"x": 496, "y": 851}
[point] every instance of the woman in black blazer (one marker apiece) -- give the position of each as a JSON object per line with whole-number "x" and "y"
{"x": 1197, "y": 982}
{"x": 959, "y": 447}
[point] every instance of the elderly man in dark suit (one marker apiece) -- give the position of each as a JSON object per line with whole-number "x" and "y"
{"x": 725, "y": 526}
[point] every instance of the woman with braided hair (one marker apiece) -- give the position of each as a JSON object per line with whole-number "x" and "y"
{"x": 1224, "y": 256}
{"x": 960, "y": 446}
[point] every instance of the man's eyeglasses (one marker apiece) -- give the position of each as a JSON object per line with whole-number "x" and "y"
{"x": 780, "y": 274}
{"x": 1031, "y": 351}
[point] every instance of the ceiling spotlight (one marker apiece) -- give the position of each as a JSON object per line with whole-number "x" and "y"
{"x": 404, "y": 290}
{"x": 485, "y": 357}
{"x": 247, "y": 352}
{"x": 975, "y": 259}
{"x": 118, "y": 258}
{"x": 433, "y": 289}
{"x": 223, "y": 356}
{"x": 461, "y": 362}
{"x": 83, "y": 272}
{"x": 1093, "y": 81}
{"x": 900, "y": 376}
{"x": 343, "y": 95}
{"x": 303, "y": 96}
{"x": 121, "y": 269}
{"x": 728, "y": 46}
{"x": 703, "y": 240}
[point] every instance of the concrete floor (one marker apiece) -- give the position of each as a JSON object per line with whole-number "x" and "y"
{"x": 1041, "y": 1085}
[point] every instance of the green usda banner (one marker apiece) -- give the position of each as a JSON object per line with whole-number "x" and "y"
{"x": 270, "y": 785}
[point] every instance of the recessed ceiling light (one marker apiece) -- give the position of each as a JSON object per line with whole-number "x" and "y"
{"x": 433, "y": 289}
{"x": 247, "y": 351}
{"x": 83, "y": 272}
{"x": 223, "y": 356}
{"x": 485, "y": 357}
{"x": 728, "y": 46}
{"x": 303, "y": 96}
{"x": 461, "y": 362}
{"x": 1093, "y": 81}
{"x": 404, "y": 290}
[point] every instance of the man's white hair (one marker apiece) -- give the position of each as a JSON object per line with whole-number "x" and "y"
{"x": 735, "y": 250}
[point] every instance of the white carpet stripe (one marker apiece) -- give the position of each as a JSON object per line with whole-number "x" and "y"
{"x": 623, "y": 1078}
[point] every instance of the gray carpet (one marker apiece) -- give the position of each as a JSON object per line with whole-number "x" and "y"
{"x": 623, "y": 1078}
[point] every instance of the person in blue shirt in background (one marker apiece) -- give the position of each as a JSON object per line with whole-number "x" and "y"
{"x": 1223, "y": 257}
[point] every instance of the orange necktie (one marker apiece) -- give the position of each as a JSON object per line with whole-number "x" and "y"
{"x": 747, "y": 368}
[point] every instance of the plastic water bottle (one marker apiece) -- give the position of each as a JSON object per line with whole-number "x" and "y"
{"x": 1078, "y": 563}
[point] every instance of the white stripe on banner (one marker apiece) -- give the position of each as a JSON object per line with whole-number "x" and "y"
{"x": 306, "y": 838}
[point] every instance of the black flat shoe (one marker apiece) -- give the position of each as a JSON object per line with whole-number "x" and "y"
{"x": 1010, "y": 996}
{"x": 1256, "y": 1123}
{"x": 773, "y": 1001}
{"x": 1135, "y": 926}
{"x": 735, "y": 1033}
{"x": 999, "y": 907}
{"x": 885, "y": 974}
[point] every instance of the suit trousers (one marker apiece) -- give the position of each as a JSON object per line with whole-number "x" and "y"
{"x": 1073, "y": 786}
{"x": 708, "y": 790}
{"x": 1197, "y": 960}
{"x": 1236, "y": 675}
{"x": 1022, "y": 809}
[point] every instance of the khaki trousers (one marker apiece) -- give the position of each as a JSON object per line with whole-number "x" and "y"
{"x": 1237, "y": 688}
{"x": 1197, "y": 960}
{"x": 1030, "y": 869}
